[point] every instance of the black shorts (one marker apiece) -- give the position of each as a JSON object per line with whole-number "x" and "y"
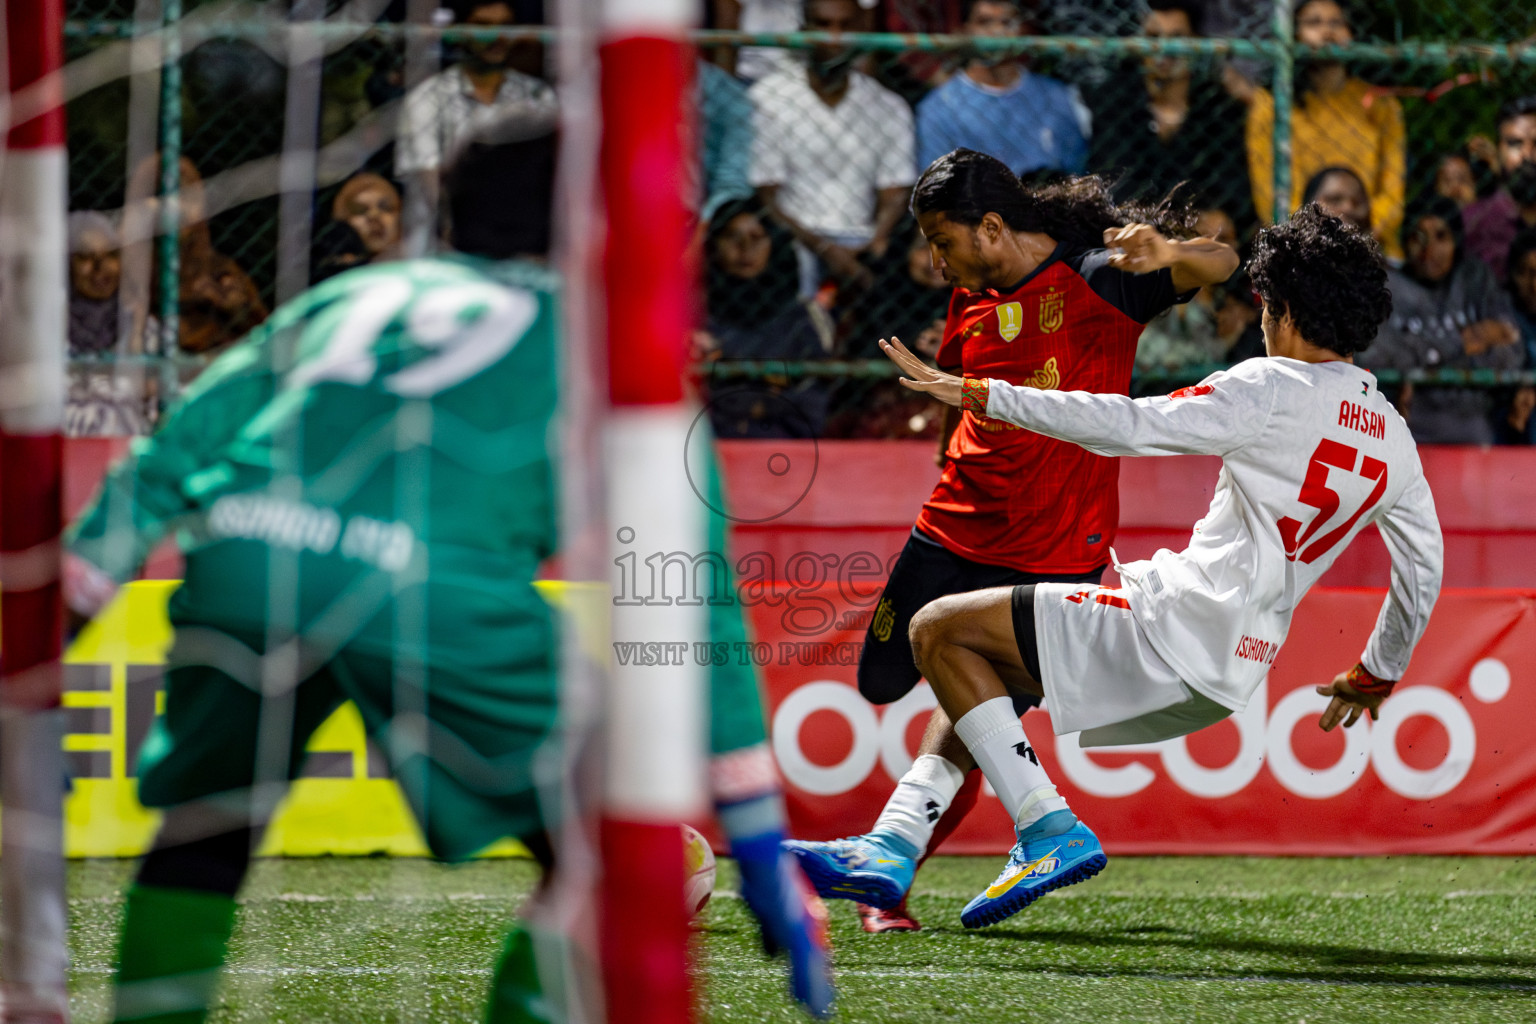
{"x": 1023, "y": 602}
{"x": 927, "y": 571}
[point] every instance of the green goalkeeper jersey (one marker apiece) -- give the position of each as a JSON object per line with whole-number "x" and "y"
{"x": 378, "y": 450}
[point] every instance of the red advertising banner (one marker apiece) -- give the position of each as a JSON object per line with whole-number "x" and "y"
{"x": 1447, "y": 769}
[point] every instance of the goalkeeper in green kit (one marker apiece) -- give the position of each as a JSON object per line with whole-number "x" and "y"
{"x": 363, "y": 491}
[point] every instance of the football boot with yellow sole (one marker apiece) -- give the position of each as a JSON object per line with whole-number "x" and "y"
{"x": 1055, "y": 851}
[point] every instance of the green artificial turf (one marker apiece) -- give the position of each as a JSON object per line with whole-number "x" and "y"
{"x": 1395, "y": 940}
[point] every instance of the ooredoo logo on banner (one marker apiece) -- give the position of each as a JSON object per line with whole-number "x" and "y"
{"x": 1445, "y": 769}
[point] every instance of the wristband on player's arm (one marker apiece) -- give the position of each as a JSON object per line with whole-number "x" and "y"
{"x": 974, "y": 393}
{"x": 1363, "y": 682}
{"x": 748, "y": 799}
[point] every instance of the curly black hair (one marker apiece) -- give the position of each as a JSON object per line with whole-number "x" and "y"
{"x": 965, "y": 186}
{"x": 1328, "y": 275}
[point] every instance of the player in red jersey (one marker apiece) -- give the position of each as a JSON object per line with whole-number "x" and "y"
{"x": 1049, "y": 293}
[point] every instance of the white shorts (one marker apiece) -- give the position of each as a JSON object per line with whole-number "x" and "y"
{"x": 1101, "y": 676}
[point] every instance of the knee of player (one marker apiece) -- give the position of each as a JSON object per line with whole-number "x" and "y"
{"x": 927, "y": 633}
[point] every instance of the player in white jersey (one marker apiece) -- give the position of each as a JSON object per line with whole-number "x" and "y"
{"x": 1311, "y": 454}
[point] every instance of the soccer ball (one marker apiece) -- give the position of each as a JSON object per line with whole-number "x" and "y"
{"x": 699, "y": 861}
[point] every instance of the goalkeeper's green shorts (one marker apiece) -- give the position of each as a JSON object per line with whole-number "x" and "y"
{"x": 463, "y": 737}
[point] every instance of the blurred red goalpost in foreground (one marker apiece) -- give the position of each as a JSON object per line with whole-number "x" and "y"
{"x": 654, "y": 727}
{"x": 33, "y": 176}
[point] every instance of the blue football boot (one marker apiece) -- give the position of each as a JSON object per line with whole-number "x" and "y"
{"x": 876, "y": 869}
{"x": 1055, "y": 851}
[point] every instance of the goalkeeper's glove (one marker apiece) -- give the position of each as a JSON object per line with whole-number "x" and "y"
{"x": 790, "y": 916}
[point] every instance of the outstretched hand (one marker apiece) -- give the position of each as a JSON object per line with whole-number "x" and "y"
{"x": 1139, "y": 248}
{"x": 1346, "y": 701}
{"x": 920, "y": 376}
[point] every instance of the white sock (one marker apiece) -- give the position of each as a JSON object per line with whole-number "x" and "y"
{"x": 920, "y": 800}
{"x": 992, "y": 732}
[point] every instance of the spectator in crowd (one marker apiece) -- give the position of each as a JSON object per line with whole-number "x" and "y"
{"x": 364, "y": 228}
{"x": 217, "y": 300}
{"x": 725, "y": 139}
{"x": 995, "y": 106}
{"x": 754, "y": 312}
{"x": 1518, "y": 426}
{"x": 1337, "y": 120}
{"x": 1455, "y": 180}
{"x": 1447, "y": 313}
{"x": 1169, "y": 125}
{"x": 98, "y": 322}
{"x": 466, "y": 98}
{"x": 832, "y": 154}
{"x": 370, "y": 205}
{"x": 1340, "y": 191}
{"x": 1493, "y": 222}
{"x": 103, "y": 400}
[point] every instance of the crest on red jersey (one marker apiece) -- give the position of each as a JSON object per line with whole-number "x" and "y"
{"x": 1053, "y": 310}
{"x": 1010, "y": 320}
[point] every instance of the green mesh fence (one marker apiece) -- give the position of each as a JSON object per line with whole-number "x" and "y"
{"x": 797, "y": 286}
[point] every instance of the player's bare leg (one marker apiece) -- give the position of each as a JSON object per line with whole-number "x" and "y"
{"x": 967, "y": 648}
{"x": 939, "y": 739}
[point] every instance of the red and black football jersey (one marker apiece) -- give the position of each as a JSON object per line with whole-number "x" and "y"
{"x": 1012, "y": 497}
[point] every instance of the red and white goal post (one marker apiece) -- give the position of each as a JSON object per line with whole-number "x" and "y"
{"x": 655, "y": 729}
{"x": 33, "y": 179}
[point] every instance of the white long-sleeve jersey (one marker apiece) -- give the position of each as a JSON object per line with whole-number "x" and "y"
{"x": 1311, "y": 453}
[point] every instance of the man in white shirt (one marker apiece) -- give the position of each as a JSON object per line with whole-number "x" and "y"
{"x": 468, "y": 99}
{"x": 832, "y": 154}
{"x": 1311, "y": 452}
